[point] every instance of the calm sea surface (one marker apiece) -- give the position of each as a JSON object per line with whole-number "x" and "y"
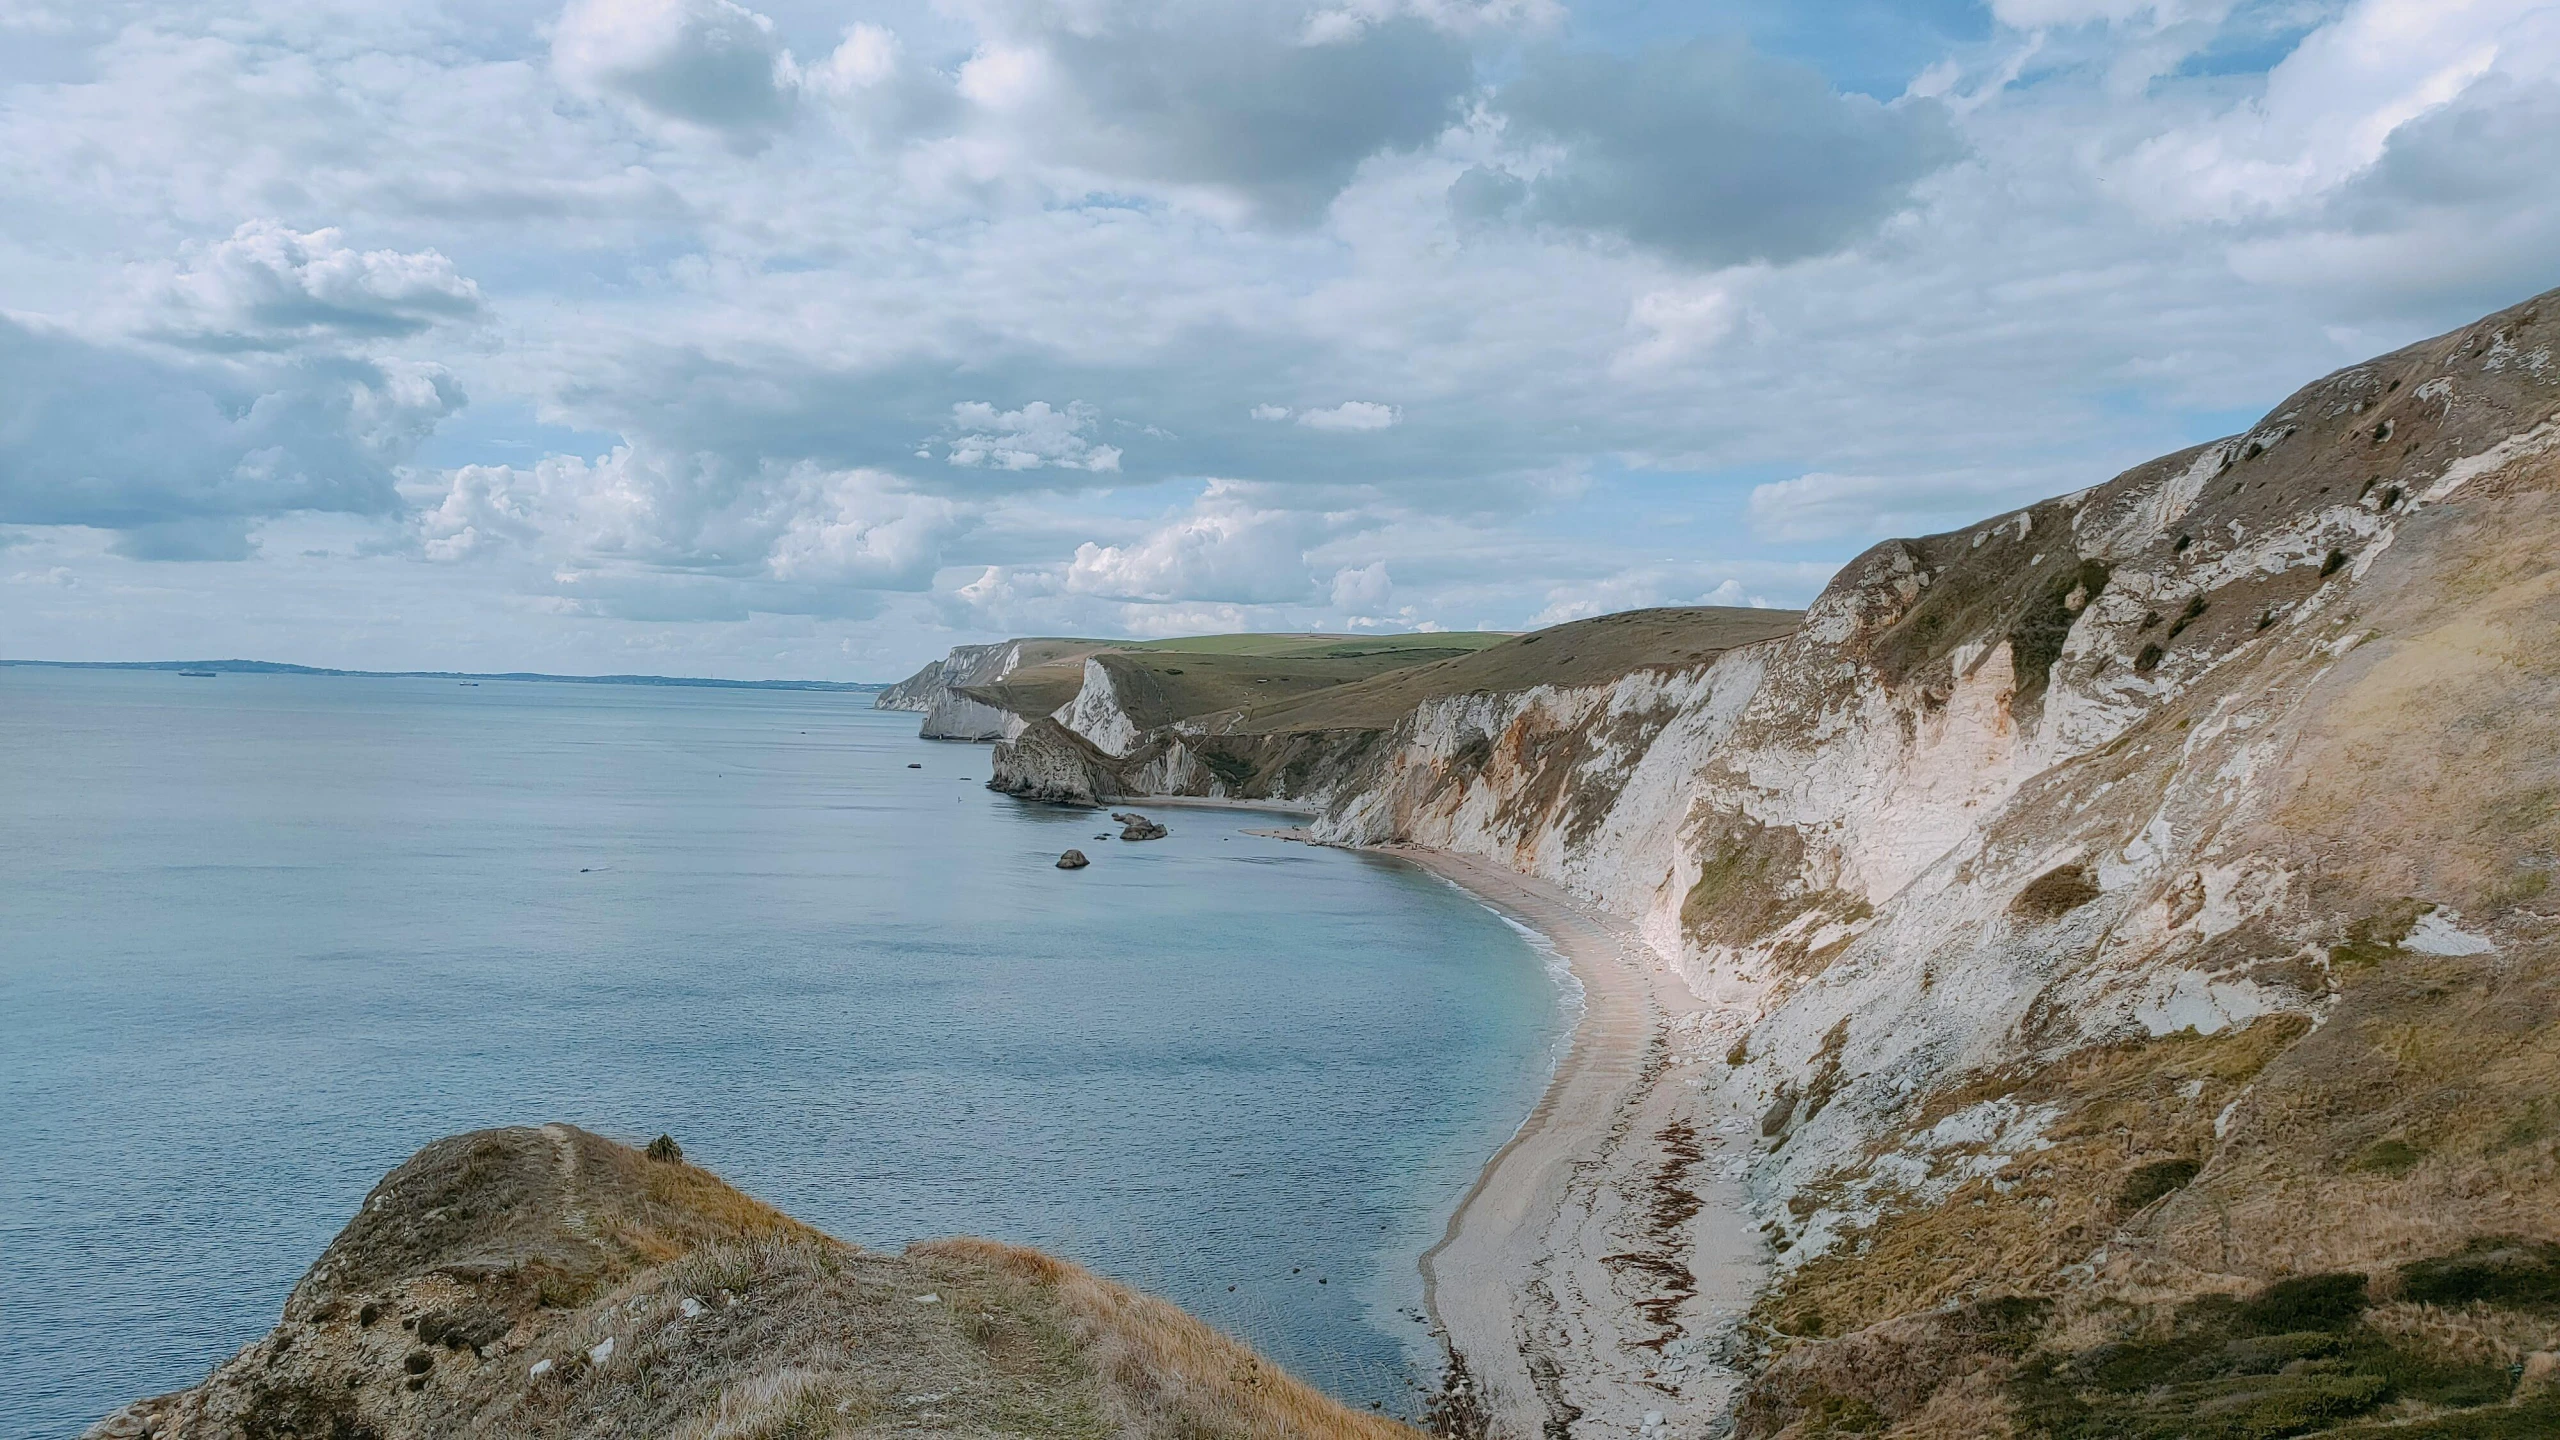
{"x": 261, "y": 937}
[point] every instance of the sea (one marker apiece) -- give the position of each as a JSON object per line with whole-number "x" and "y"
{"x": 263, "y": 936}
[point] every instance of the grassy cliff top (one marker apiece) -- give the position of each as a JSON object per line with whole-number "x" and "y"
{"x": 1272, "y": 683}
{"x": 1581, "y": 652}
{"x": 1315, "y": 646}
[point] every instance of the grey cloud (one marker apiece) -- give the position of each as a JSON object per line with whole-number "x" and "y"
{"x": 1709, "y": 152}
{"x": 1244, "y": 96}
{"x": 180, "y": 455}
{"x": 711, "y": 63}
{"x": 215, "y": 537}
{"x": 2457, "y": 214}
{"x": 1486, "y": 193}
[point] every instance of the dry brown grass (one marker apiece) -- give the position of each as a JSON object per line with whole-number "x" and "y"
{"x": 1969, "y": 1407}
{"x": 790, "y": 1402}
{"x": 2469, "y": 1335}
{"x": 1166, "y": 1374}
{"x": 2123, "y": 1105}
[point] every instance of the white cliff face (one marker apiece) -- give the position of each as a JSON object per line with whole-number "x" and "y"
{"x": 1096, "y": 715}
{"x": 948, "y": 714}
{"x": 1841, "y": 855}
{"x": 954, "y": 716}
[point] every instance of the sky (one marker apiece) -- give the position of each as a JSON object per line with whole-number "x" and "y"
{"x": 807, "y": 338}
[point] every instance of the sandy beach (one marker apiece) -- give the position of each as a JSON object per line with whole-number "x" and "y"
{"x": 1589, "y": 1279}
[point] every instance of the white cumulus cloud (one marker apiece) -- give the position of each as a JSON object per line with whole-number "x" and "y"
{"x": 269, "y": 286}
{"x": 1225, "y": 548}
{"x": 1031, "y": 438}
{"x": 1351, "y": 415}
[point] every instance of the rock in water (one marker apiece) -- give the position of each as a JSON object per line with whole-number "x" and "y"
{"x": 1134, "y": 826}
{"x": 1073, "y": 860}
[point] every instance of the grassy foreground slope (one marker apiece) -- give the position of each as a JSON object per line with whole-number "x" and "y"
{"x": 551, "y": 1282}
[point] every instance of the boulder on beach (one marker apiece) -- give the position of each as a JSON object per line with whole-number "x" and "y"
{"x": 1073, "y": 860}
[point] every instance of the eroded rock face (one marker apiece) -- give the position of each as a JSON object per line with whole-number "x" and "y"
{"x": 552, "y": 1282}
{"x": 2197, "y": 824}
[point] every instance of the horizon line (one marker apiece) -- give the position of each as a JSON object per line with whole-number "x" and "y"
{"x": 278, "y": 667}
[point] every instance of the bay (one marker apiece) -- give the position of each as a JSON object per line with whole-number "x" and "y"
{"x": 263, "y": 936}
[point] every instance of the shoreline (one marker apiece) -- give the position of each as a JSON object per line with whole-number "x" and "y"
{"x": 1298, "y": 808}
{"x": 1591, "y": 1274}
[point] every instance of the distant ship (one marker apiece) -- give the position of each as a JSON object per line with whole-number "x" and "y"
{"x": 200, "y": 674}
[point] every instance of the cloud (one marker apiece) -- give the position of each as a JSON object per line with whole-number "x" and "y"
{"x": 704, "y": 370}
{"x": 710, "y": 63}
{"x": 212, "y": 537}
{"x": 2458, "y": 210}
{"x": 1677, "y": 325}
{"x": 2329, "y": 109}
{"x": 1030, "y": 438}
{"x": 780, "y": 539}
{"x": 1351, "y": 415}
{"x": 1364, "y": 591}
{"x": 1226, "y": 548}
{"x": 1276, "y": 103}
{"x": 181, "y": 455}
{"x": 269, "y": 287}
{"x": 2046, "y": 14}
{"x": 1823, "y": 506}
{"x": 1708, "y": 152}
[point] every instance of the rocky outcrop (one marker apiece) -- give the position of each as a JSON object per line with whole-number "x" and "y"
{"x": 1134, "y": 826}
{"x": 552, "y": 1282}
{"x": 2136, "y": 898}
{"x": 1073, "y": 860}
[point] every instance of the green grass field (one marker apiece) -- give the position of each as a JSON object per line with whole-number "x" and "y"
{"x": 1299, "y": 682}
{"x": 1328, "y": 647}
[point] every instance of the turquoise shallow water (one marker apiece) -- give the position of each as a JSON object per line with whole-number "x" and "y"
{"x": 262, "y": 936}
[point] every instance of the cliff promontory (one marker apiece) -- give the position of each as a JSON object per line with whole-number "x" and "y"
{"x": 552, "y": 1282}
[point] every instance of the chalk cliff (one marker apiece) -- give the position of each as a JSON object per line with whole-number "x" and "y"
{"x": 2129, "y": 903}
{"x": 951, "y": 692}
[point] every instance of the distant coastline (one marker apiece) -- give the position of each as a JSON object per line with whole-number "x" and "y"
{"x": 271, "y": 667}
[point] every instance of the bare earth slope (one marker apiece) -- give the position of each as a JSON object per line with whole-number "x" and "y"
{"x": 554, "y": 1283}
{"x": 2126, "y": 922}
